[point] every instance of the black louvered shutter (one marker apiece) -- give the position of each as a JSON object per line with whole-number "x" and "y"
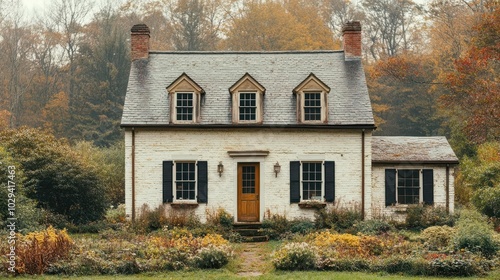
{"x": 167, "y": 181}
{"x": 202, "y": 182}
{"x": 390, "y": 187}
{"x": 329, "y": 181}
{"x": 428, "y": 185}
{"x": 294, "y": 181}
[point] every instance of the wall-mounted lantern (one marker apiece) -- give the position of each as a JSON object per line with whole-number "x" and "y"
{"x": 220, "y": 168}
{"x": 277, "y": 169}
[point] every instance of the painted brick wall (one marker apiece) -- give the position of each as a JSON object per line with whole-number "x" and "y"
{"x": 153, "y": 147}
{"x": 378, "y": 189}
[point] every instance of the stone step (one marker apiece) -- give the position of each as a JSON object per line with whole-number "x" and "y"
{"x": 249, "y": 232}
{"x": 247, "y": 225}
{"x": 255, "y": 238}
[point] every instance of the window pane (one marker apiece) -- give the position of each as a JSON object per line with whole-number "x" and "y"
{"x": 312, "y": 106}
{"x": 311, "y": 180}
{"x": 248, "y": 106}
{"x": 248, "y": 179}
{"x": 185, "y": 180}
{"x": 184, "y": 106}
{"x": 409, "y": 186}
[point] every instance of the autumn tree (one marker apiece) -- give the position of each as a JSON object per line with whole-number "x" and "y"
{"x": 196, "y": 24}
{"x": 271, "y": 25}
{"x": 15, "y": 72}
{"x": 474, "y": 88}
{"x": 390, "y": 27}
{"x": 68, "y": 17}
{"x": 337, "y": 12}
{"x": 103, "y": 63}
{"x": 403, "y": 103}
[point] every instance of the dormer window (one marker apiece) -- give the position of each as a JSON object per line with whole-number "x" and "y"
{"x": 248, "y": 106}
{"x": 312, "y": 104}
{"x": 185, "y": 99}
{"x": 184, "y": 106}
{"x": 247, "y": 100}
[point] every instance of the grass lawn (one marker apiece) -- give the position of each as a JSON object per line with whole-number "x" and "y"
{"x": 226, "y": 274}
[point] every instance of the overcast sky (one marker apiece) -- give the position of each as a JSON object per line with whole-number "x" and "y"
{"x": 40, "y": 4}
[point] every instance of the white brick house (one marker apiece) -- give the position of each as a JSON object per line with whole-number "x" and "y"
{"x": 267, "y": 131}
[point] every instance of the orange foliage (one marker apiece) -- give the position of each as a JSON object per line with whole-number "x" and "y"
{"x": 475, "y": 84}
{"x": 271, "y": 26}
{"x": 4, "y": 119}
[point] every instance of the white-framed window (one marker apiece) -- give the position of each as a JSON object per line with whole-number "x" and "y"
{"x": 185, "y": 99}
{"x": 312, "y": 106}
{"x": 312, "y": 181}
{"x": 247, "y": 100}
{"x": 185, "y": 180}
{"x": 248, "y": 106}
{"x": 184, "y": 106}
{"x": 409, "y": 186}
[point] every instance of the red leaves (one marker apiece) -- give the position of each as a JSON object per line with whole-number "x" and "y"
{"x": 475, "y": 84}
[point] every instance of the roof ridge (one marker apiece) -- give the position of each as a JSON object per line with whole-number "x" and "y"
{"x": 247, "y": 52}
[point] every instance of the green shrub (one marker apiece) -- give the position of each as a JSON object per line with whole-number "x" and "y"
{"x": 459, "y": 265}
{"x": 28, "y": 215}
{"x": 159, "y": 218}
{"x": 220, "y": 218}
{"x": 275, "y": 225}
{"x": 372, "y": 227}
{"x": 116, "y": 215}
{"x": 487, "y": 201}
{"x": 212, "y": 257}
{"x": 474, "y": 234}
{"x": 53, "y": 167}
{"x": 92, "y": 227}
{"x": 343, "y": 264}
{"x": 301, "y": 226}
{"x": 405, "y": 264}
{"x": 339, "y": 219}
{"x": 420, "y": 216}
{"x": 295, "y": 256}
{"x": 437, "y": 237}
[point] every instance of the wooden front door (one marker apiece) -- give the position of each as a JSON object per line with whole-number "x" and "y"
{"x": 248, "y": 192}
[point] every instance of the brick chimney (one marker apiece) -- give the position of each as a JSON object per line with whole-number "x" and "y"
{"x": 139, "y": 40}
{"x": 351, "y": 31}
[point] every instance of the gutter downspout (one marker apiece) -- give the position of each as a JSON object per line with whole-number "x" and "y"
{"x": 362, "y": 174}
{"x": 133, "y": 174}
{"x": 447, "y": 188}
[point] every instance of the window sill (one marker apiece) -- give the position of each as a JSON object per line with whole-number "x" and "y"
{"x": 400, "y": 208}
{"x": 184, "y": 204}
{"x": 312, "y": 205}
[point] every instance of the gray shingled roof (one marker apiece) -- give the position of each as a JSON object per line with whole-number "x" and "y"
{"x": 401, "y": 149}
{"x": 147, "y": 101}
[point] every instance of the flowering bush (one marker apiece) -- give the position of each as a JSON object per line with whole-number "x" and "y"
{"x": 37, "y": 250}
{"x": 437, "y": 237}
{"x": 390, "y": 253}
{"x": 347, "y": 244}
{"x": 170, "y": 250}
{"x": 296, "y": 256}
{"x": 212, "y": 256}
